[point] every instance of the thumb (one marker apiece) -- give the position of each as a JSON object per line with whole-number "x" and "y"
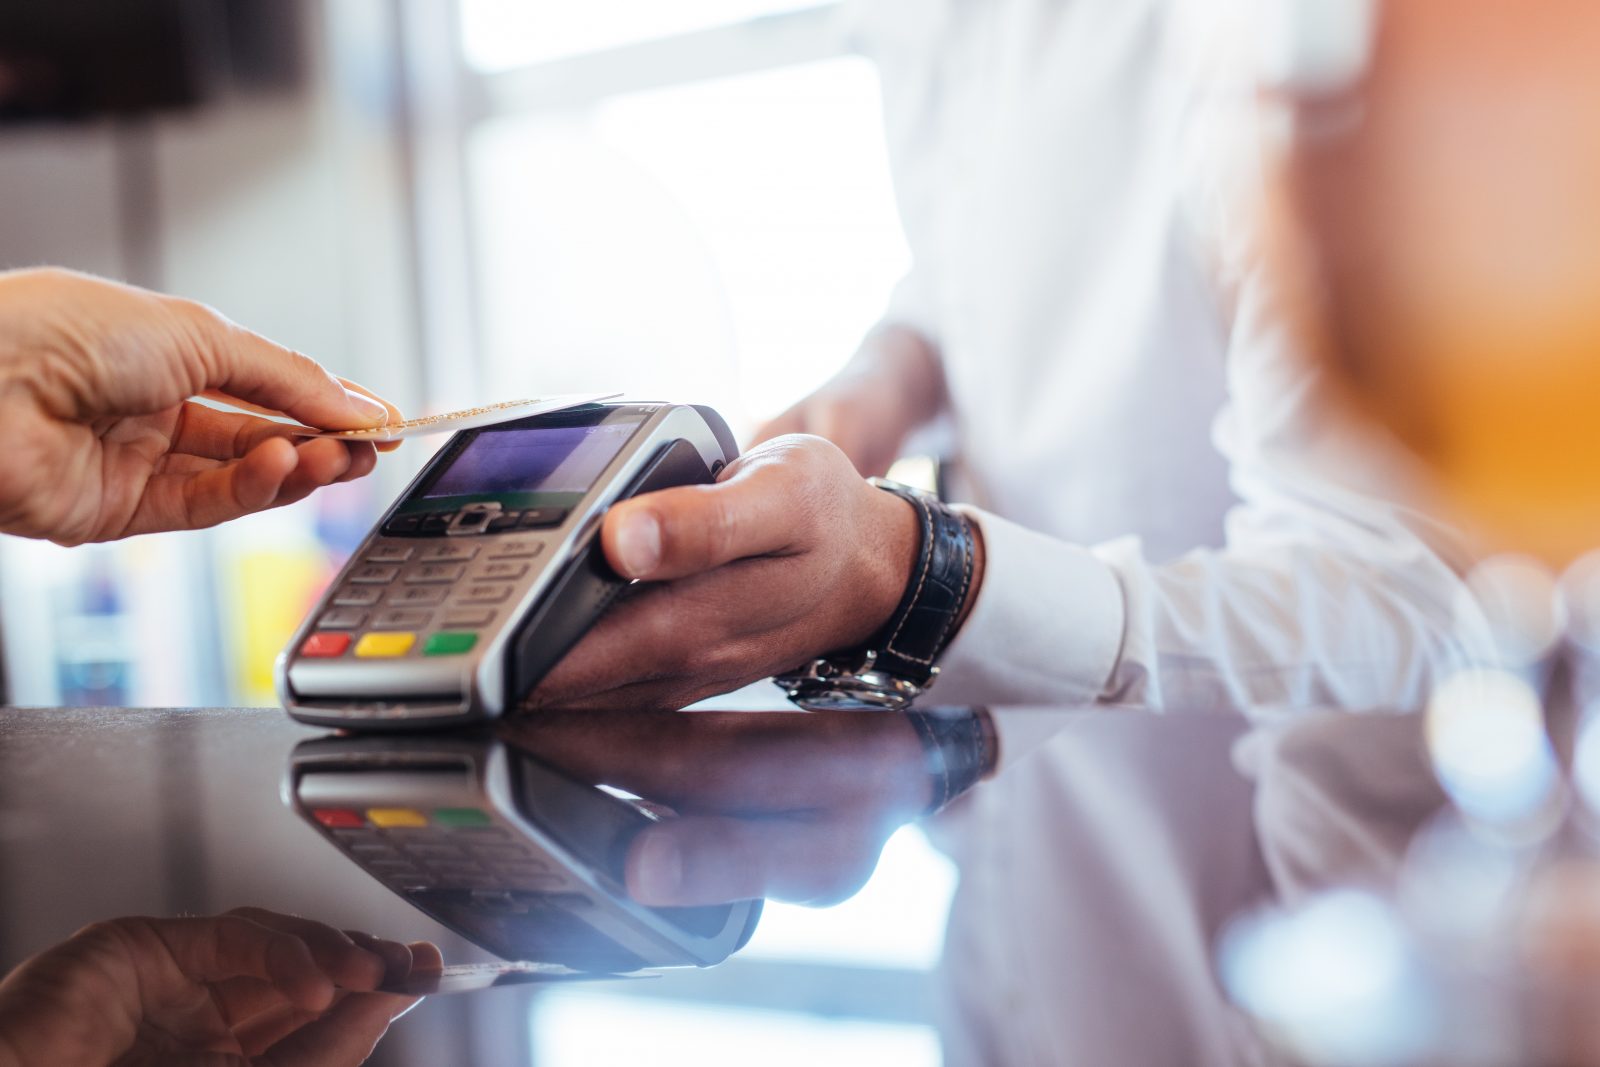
{"x": 244, "y": 365}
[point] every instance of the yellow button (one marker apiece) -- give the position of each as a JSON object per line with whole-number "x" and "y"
{"x": 391, "y": 817}
{"x": 385, "y": 646}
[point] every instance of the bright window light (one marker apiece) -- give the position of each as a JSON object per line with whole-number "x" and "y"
{"x": 897, "y": 920}
{"x": 726, "y": 242}
{"x": 580, "y": 1027}
{"x": 502, "y": 34}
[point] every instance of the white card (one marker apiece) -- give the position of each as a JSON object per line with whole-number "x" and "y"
{"x": 470, "y": 977}
{"x": 469, "y": 419}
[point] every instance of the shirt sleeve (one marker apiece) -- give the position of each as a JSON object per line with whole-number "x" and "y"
{"x": 1336, "y": 587}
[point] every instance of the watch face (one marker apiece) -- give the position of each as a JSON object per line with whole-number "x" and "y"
{"x": 849, "y": 693}
{"x": 842, "y": 700}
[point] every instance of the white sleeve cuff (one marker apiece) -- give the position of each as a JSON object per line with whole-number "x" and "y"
{"x": 1046, "y": 628}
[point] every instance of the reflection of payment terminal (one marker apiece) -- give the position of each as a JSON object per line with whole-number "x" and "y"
{"x": 510, "y": 853}
{"x": 488, "y": 568}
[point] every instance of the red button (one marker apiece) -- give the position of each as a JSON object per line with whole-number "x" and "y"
{"x": 338, "y": 818}
{"x": 325, "y": 646}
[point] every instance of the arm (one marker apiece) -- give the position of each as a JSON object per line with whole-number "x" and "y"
{"x": 1336, "y": 587}
{"x": 892, "y": 386}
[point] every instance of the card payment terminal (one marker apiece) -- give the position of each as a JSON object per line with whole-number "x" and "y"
{"x": 512, "y": 854}
{"x": 489, "y": 567}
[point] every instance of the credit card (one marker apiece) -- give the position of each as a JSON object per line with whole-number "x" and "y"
{"x": 470, "y": 977}
{"x": 469, "y": 419}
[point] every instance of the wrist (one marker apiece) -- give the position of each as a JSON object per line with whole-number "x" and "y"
{"x": 892, "y": 557}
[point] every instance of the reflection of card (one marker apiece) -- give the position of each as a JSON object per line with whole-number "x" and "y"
{"x": 459, "y": 420}
{"x": 469, "y": 977}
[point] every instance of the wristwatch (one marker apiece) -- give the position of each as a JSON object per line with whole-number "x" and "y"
{"x": 960, "y": 746}
{"x": 897, "y": 664}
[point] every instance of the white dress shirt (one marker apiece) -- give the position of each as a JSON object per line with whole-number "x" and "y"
{"x": 1174, "y": 519}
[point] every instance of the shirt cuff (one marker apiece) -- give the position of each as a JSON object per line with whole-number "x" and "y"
{"x": 1046, "y": 628}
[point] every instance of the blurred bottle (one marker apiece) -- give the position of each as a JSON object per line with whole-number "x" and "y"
{"x": 1440, "y": 217}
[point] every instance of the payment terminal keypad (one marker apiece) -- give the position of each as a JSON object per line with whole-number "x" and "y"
{"x": 374, "y": 574}
{"x": 446, "y": 848}
{"x": 418, "y": 596}
{"x": 449, "y": 552}
{"x": 436, "y": 574}
{"x": 428, "y": 598}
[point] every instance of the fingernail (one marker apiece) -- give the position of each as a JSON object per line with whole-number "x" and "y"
{"x": 370, "y": 409}
{"x": 639, "y": 544}
{"x": 657, "y": 870}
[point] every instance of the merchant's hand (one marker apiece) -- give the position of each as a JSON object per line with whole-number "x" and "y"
{"x": 249, "y": 987}
{"x": 791, "y": 555}
{"x": 893, "y": 385}
{"x": 101, "y": 438}
{"x": 786, "y": 805}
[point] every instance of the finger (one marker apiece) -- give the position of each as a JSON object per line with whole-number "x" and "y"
{"x": 362, "y": 458}
{"x": 692, "y": 529}
{"x": 191, "y": 500}
{"x": 242, "y": 364}
{"x": 260, "y": 1032}
{"x": 214, "y": 434}
{"x": 687, "y": 630}
{"x": 351, "y": 966}
{"x": 230, "y": 946}
{"x": 318, "y": 463}
{"x": 699, "y": 860}
{"x": 242, "y": 999}
{"x": 272, "y": 474}
{"x": 426, "y": 957}
{"x": 345, "y": 1035}
{"x": 208, "y": 433}
{"x": 738, "y": 762}
{"x": 394, "y": 413}
{"x": 396, "y": 955}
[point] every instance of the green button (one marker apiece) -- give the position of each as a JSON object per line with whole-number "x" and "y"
{"x": 460, "y": 817}
{"x": 449, "y": 643}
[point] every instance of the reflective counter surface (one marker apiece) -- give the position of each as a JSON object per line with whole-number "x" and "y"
{"x": 504, "y": 837}
{"x": 1121, "y": 889}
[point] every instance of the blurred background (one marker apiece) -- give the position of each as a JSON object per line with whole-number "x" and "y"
{"x": 458, "y": 202}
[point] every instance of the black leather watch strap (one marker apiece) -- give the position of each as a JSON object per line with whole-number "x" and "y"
{"x": 959, "y": 747}
{"x": 925, "y": 620}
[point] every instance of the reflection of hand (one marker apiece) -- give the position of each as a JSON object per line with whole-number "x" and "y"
{"x": 787, "y": 805}
{"x": 789, "y": 556}
{"x": 101, "y": 437}
{"x": 250, "y": 986}
{"x": 869, "y": 409}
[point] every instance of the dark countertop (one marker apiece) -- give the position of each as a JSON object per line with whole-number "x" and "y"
{"x": 107, "y": 812}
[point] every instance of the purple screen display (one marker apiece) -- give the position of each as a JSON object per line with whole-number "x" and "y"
{"x": 562, "y": 459}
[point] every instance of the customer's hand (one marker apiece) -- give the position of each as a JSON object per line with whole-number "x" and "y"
{"x": 892, "y": 386}
{"x": 789, "y": 556}
{"x": 100, "y": 438}
{"x": 249, "y": 987}
{"x": 786, "y": 805}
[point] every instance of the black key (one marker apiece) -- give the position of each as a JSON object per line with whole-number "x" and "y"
{"x": 534, "y": 518}
{"x": 437, "y": 523}
{"x": 506, "y": 520}
{"x": 402, "y": 525}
